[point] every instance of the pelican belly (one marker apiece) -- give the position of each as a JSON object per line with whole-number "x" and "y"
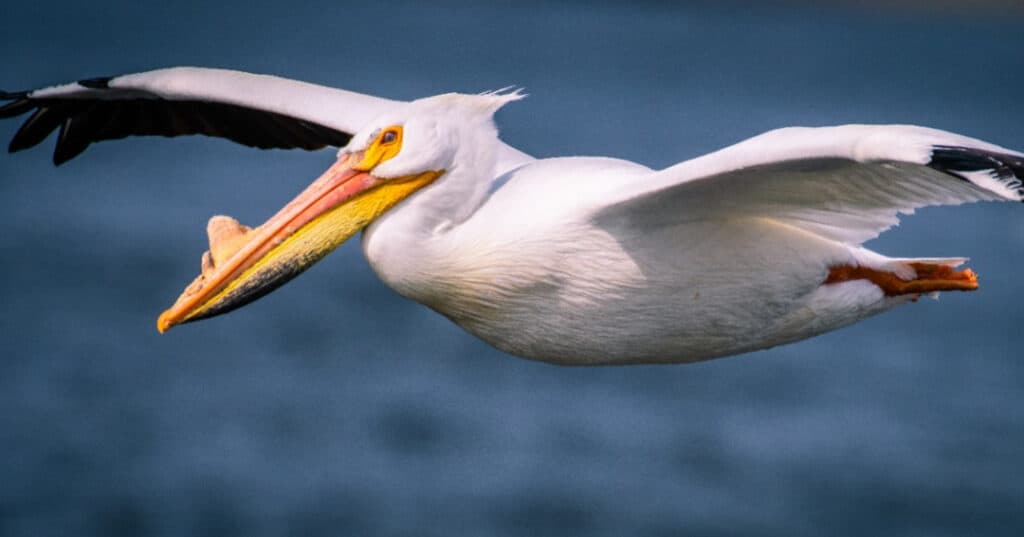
{"x": 686, "y": 293}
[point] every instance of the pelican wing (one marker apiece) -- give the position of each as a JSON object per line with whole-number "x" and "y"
{"x": 847, "y": 183}
{"x": 255, "y": 110}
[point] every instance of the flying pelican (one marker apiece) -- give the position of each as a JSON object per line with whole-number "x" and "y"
{"x": 574, "y": 260}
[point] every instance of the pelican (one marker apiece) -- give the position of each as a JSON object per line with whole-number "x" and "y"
{"x": 575, "y": 260}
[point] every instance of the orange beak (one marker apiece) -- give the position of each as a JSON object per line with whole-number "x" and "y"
{"x": 243, "y": 265}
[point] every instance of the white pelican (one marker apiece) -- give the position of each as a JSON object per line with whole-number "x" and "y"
{"x": 568, "y": 260}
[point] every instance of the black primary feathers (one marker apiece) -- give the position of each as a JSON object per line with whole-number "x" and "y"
{"x": 83, "y": 120}
{"x": 1006, "y": 168}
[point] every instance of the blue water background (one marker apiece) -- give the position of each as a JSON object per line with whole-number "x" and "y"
{"x": 334, "y": 407}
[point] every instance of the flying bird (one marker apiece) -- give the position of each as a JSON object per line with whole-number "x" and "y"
{"x": 575, "y": 260}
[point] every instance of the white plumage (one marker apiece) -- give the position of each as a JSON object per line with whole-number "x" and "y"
{"x": 596, "y": 260}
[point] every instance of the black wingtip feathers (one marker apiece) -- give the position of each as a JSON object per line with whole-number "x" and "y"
{"x": 1005, "y": 168}
{"x": 71, "y": 141}
{"x": 20, "y": 105}
{"x": 82, "y": 116}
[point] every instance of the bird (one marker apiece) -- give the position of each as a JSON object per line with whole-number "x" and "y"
{"x": 568, "y": 260}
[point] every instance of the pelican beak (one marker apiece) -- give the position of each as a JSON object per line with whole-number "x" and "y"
{"x": 244, "y": 264}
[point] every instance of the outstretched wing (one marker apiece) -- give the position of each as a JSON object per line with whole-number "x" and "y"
{"x": 255, "y": 110}
{"x": 847, "y": 183}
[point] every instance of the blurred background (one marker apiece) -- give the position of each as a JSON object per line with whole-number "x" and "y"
{"x": 334, "y": 407}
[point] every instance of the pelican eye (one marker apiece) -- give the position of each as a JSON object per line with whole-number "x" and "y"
{"x": 381, "y": 148}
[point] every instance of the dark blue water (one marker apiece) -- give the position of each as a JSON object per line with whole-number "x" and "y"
{"x": 334, "y": 407}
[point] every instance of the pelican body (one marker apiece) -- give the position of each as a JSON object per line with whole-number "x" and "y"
{"x": 576, "y": 260}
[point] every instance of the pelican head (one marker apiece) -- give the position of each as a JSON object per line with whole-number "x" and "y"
{"x": 438, "y": 139}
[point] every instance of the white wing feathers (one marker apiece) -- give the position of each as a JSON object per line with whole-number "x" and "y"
{"x": 344, "y": 110}
{"x": 339, "y": 109}
{"x": 847, "y": 183}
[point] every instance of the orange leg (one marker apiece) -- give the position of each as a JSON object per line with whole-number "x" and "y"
{"x": 930, "y": 278}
